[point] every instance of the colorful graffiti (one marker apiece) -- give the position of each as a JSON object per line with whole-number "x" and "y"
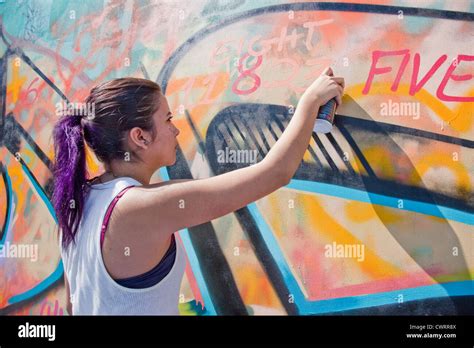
{"x": 379, "y": 217}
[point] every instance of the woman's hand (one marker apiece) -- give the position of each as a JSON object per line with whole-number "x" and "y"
{"x": 324, "y": 88}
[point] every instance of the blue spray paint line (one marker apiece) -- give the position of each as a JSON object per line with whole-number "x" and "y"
{"x": 44, "y": 285}
{"x": 10, "y": 212}
{"x": 461, "y": 288}
{"x": 40, "y": 192}
{"x": 208, "y": 305}
{"x": 373, "y": 198}
{"x": 184, "y": 234}
{"x": 277, "y": 255}
{"x": 58, "y": 272}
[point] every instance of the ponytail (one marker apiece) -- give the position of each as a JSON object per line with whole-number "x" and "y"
{"x": 69, "y": 175}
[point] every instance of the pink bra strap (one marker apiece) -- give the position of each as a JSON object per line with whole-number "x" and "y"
{"x": 109, "y": 212}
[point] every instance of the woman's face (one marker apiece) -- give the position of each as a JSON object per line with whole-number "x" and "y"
{"x": 165, "y": 145}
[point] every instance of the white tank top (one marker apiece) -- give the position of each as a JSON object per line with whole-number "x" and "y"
{"x": 93, "y": 291}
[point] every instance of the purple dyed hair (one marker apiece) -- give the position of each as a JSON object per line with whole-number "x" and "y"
{"x": 120, "y": 105}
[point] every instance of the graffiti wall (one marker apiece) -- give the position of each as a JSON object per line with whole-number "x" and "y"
{"x": 379, "y": 217}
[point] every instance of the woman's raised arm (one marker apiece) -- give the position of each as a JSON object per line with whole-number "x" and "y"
{"x": 190, "y": 203}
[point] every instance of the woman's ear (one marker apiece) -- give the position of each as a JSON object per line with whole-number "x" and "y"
{"x": 139, "y": 137}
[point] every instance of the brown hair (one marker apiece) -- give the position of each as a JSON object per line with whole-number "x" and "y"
{"x": 120, "y": 105}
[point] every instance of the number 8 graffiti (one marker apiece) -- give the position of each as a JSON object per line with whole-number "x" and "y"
{"x": 247, "y": 73}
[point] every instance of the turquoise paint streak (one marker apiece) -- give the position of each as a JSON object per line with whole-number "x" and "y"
{"x": 462, "y": 288}
{"x": 58, "y": 272}
{"x": 373, "y": 198}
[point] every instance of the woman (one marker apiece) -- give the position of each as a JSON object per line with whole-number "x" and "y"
{"x": 117, "y": 231}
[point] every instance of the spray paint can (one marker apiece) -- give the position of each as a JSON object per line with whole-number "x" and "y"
{"x": 325, "y": 118}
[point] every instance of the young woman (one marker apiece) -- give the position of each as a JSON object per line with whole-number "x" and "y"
{"x": 116, "y": 230}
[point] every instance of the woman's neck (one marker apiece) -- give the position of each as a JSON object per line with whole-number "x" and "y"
{"x": 143, "y": 175}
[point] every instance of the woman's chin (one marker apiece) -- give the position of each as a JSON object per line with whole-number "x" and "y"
{"x": 170, "y": 159}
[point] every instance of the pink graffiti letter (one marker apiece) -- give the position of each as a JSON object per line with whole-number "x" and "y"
{"x": 376, "y": 55}
{"x": 449, "y": 75}
{"x": 414, "y": 87}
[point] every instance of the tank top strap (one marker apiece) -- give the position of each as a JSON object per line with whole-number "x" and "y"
{"x": 108, "y": 213}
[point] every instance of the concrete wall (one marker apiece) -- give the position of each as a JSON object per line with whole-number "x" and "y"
{"x": 378, "y": 218}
